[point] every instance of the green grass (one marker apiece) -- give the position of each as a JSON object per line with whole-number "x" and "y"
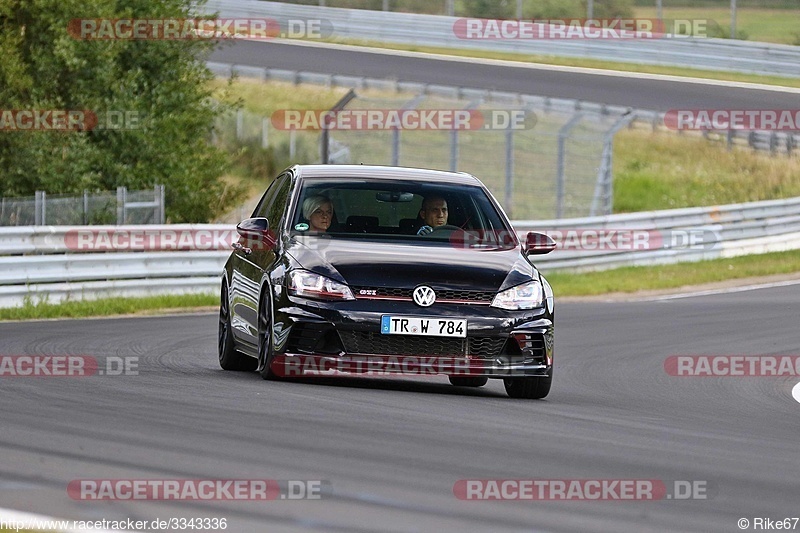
{"x": 107, "y": 306}
{"x": 768, "y": 25}
{"x": 632, "y": 279}
{"x": 664, "y": 170}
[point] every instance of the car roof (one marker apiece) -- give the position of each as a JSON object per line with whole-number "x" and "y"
{"x": 384, "y": 172}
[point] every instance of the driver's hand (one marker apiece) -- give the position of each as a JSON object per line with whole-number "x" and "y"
{"x": 424, "y": 230}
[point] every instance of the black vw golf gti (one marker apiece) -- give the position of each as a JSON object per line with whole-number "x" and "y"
{"x": 374, "y": 270}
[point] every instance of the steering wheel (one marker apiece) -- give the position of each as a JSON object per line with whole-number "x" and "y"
{"x": 446, "y": 227}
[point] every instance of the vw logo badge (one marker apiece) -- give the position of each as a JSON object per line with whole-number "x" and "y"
{"x": 424, "y": 296}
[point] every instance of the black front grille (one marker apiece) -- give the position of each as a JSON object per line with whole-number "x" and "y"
{"x": 382, "y": 292}
{"x": 364, "y": 342}
{"x": 441, "y": 294}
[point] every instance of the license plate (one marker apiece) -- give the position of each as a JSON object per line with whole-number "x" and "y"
{"x": 417, "y": 325}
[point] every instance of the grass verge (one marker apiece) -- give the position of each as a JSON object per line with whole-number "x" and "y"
{"x": 108, "y": 307}
{"x": 664, "y": 170}
{"x": 650, "y": 278}
{"x": 756, "y": 24}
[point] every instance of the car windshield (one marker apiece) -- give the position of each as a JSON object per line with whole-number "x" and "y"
{"x": 399, "y": 211}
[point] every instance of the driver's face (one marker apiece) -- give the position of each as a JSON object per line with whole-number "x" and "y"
{"x": 434, "y": 213}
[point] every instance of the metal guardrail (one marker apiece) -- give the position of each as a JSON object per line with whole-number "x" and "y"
{"x": 726, "y": 231}
{"x": 42, "y": 262}
{"x": 435, "y": 30}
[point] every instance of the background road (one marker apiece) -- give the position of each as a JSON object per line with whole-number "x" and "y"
{"x": 392, "y": 449}
{"x": 651, "y": 94}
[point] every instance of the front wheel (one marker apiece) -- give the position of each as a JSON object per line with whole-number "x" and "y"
{"x": 229, "y": 358}
{"x": 265, "y": 354}
{"x": 533, "y": 388}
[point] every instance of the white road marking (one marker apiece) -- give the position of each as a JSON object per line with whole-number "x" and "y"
{"x": 723, "y": 291}
{"x": 536, "y": 66}
{"x": 796, "y": 392}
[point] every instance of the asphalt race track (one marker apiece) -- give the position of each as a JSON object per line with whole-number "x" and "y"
{"x": 655, "y": 94}
{"x": 392, "y": 450}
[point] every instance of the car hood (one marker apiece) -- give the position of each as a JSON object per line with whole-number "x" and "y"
{"x": 406, "y": 265}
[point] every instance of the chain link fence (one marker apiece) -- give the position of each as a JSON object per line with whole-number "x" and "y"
{"x": 549, "y": 166}
{"x": 120, "y": 207}
{"x": 551, "y": 163}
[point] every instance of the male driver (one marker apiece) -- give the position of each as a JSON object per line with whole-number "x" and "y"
{"x": 433, "y": 214}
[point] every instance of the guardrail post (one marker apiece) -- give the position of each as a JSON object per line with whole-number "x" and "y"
{"x": 395, "y": 146}
{"x": 453, "y": 150}
{"x": 163, "y": 203}
{"x": 157, "y": 207}
{"x": 85, "y": 207}
{"x": 122, "y": 194}
{"x": 39, "y": 208}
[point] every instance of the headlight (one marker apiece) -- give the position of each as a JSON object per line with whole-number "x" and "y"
{"x": 526, "y": 296}
{"x": 309, "y": 285}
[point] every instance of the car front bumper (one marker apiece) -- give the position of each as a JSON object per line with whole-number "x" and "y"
{"x": 327, "y": 338}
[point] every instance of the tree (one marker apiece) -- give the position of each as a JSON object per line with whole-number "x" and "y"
{"x": 158, "y": 87}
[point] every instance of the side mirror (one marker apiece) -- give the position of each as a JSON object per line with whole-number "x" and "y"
{"x": 256, "y": 230}
{"x": 539, "y": 244}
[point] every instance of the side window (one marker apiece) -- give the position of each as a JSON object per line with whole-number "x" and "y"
{"x": 273, "y": 204}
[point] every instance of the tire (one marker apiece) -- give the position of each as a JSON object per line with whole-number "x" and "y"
{"x": 460, "y": 381}
{"x": 265, "y": 353}
{"x": 529, "y": 388}
{"x": 229, "y": 358}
